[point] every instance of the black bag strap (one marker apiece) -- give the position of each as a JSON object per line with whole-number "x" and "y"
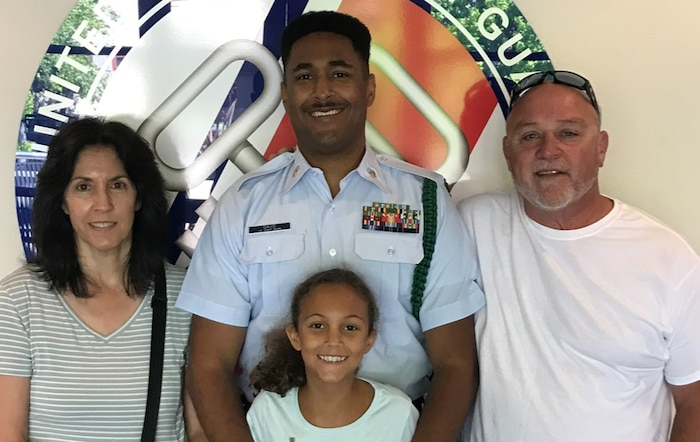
{"x": 159, "y": 304}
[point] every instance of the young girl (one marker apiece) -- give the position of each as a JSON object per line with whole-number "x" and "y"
{"x": 307, "y": 383}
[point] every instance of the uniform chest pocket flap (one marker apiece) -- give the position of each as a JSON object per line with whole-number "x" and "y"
{"x": 272, "y": 247}
{"x": 389, "y": 247}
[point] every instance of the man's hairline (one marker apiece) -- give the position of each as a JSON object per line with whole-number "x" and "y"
{"x": 598, "y": 117}
{"x": 580, "y": 91}
{"x": 285, "y": 66}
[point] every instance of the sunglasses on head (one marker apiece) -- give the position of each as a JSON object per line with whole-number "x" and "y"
{"x": 566, "y": 78}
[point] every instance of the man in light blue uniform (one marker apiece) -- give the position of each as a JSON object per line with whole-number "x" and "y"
{"x": 310, "y": 210}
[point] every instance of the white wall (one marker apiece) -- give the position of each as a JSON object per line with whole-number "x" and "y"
{"x": 639, "y": 55}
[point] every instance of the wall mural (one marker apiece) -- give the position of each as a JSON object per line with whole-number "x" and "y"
{"x": 200, "y": 81}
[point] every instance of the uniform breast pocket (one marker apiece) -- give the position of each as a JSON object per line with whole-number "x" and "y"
{"x": 387, "y": 263}
{"x": 273, "y": 270}
{"x": 389, "y": 247}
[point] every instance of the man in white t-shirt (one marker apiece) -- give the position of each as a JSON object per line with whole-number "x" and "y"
{"x": 591, "y": 330}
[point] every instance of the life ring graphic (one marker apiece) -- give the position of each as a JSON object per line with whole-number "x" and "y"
{"x": 200, "y": 81}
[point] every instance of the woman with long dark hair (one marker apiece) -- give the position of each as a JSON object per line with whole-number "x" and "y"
{"x": 76, "y": 322}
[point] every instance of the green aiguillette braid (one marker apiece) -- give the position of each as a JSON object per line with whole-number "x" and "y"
{"x": 420, "y": 273}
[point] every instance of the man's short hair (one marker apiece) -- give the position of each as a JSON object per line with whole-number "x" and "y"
{"x": 326, "y": 21}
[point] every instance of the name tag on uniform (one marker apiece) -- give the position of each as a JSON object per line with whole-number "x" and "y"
{"x": 390, "y": 217}
{"x": 269, "y": 227}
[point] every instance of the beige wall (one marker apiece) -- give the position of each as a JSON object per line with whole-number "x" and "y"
{"x": 639, "y": 55}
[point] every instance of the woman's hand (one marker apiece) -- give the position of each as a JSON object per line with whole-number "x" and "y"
{"x": 195, "y": 432}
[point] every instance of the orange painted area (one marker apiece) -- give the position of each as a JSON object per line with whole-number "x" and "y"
{"x": 439, "y": 63}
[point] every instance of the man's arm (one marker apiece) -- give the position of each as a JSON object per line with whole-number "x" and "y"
{"x": 14, "y": 408}
{"x": 211, "y": 380}
{"x": 686, "y": 424}
{"x": 452, "y": 351}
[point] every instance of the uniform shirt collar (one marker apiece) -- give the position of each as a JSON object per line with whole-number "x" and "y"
{"x": 368, "y": 169}
{"x": 299, "y": 167}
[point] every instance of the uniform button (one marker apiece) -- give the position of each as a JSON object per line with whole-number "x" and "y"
{"x": 390, "y": 251}
{"x": 269, "y": 251}
{"x": 332, "y": 252}
{"x": 332, "y": 209}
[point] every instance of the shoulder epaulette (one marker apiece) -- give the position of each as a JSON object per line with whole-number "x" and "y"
{"x": 277, "y": 163}
{"x": 396, "y": 163}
